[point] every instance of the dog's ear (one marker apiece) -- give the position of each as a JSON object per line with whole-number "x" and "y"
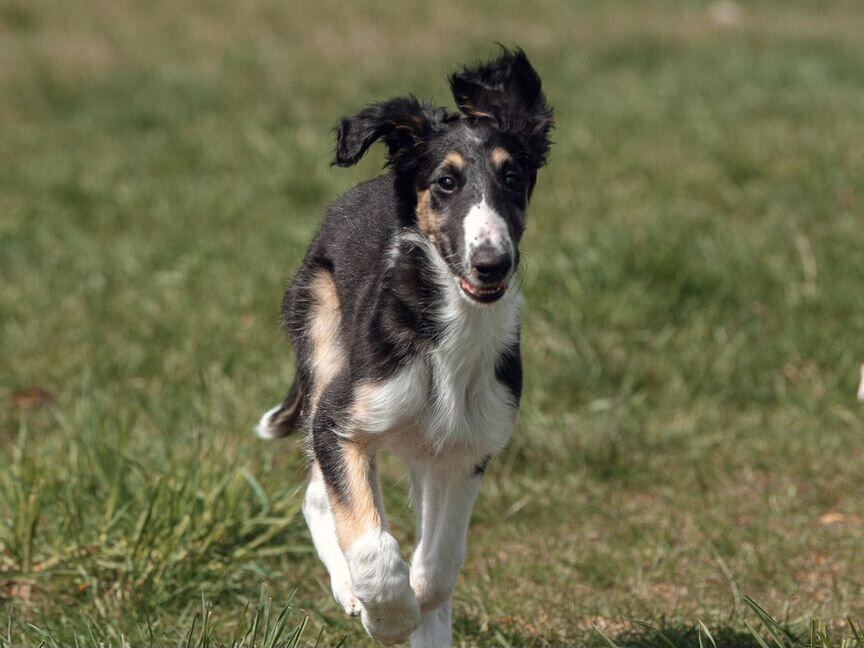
{"x": 508, "y": 92}
{"x": 404, "y": 124}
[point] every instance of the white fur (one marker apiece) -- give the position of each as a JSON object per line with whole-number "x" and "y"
{"x": 264, "y": 430}
{"x": 444, "y": 498}
{"x": 861, "y": 386}
{"x": 380, "y": 580}
{"x": 451, "y": 395}
{"x": 319, "y": 519}
{"x": 435, "y": 630}
{"x": 485, "y": 226}
{"x": 397, "y": 402}
{"x": 471, "y": 408}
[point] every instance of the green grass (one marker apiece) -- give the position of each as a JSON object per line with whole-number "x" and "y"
{"x": 689, "y": 442}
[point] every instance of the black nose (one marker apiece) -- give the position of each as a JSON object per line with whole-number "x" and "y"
{"x": 491, "y": 264}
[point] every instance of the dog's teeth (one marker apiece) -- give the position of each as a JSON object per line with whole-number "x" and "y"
{"x": 481, "y": 291}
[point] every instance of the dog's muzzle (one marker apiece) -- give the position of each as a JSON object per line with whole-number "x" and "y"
{"x": 489, "y": 273}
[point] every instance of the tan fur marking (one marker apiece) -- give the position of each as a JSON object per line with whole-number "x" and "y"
{"x": 428, "y": 219}
{"x": 470, "y": 109}
{"x": 454, "y": 158}
{"x": 361, "y": 515}
{"x": 499, "y": 156}
{"x": 328, "y": 358}
{"x": 361, "y": 408}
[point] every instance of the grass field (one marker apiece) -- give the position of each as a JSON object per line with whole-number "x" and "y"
{"x": 694, "y": 279}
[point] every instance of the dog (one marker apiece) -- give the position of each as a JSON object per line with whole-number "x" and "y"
{"x": 405, "y": 320}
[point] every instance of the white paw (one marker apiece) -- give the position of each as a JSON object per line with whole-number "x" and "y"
{"x": 394, "y": 622}
{"x": 379, "y": 580}
{"x": 345, "y": 596}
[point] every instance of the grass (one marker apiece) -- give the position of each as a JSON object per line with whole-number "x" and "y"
{"x": 689, "y": 443}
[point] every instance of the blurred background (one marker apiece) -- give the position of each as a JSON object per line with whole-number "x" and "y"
{"x": 694, "y": 322}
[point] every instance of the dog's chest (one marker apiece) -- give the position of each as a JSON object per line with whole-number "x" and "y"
{"x": 448, "y": 399}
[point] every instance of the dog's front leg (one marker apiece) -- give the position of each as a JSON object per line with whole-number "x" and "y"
{"x": 319, "y": 519}
{"x": 379, "y": 575}
{"x": 444, "y": 498}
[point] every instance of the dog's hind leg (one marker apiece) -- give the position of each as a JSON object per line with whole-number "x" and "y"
{"x": 319, "y": 518}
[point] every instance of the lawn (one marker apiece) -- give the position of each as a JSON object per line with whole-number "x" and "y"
{"x": 694, "y": 278}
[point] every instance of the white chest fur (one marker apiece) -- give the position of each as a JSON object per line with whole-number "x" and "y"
{"x": 449, "y": 399}
{"x": 468, "y": 406}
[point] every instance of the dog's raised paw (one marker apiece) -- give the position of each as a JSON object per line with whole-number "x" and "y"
{"x": 393, "y": 623}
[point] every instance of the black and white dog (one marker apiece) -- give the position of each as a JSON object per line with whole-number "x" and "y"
{"x": 404, "y": 319}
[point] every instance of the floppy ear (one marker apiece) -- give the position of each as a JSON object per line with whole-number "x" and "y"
{"x": 404, "y": 124}
{"x": 508, "y": 92}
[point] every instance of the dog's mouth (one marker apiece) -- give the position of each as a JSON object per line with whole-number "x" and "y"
{"x": 482, "y": 294}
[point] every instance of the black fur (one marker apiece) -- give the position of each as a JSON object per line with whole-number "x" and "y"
{"x": 326, "y": 446}
{"x": 387, "y": 309}
{"x": 404, "y": 124}
{"x": 509, "y": 372}
{"x": 480, "y": 468}
{"x": 509, "y": 93}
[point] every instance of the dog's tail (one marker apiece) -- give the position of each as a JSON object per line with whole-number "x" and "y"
{"x": 283, "y": 419}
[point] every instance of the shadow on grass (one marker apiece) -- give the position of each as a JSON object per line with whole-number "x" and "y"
{"x": 675, "y": 636}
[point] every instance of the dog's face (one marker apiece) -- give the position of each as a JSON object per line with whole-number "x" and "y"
{"x": 472, "y": 191}
{"x": 467, "y": 178}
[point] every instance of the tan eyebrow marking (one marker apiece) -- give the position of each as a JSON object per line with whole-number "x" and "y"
{"x": 499, "y": 156}
{"x": 455, "y": 159}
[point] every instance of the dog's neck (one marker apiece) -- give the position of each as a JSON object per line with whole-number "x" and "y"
{"x": 462, "y": 326}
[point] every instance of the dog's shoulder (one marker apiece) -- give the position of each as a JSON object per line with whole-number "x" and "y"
{"x": 362, "y": 220}
{"x": 352, "y": 241}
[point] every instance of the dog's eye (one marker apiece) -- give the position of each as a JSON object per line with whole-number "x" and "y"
{"x": 447, "y": 183}
{"x": 512, "y": 181}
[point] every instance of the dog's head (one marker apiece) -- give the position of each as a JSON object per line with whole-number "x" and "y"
{"x": 466, "y": 176}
